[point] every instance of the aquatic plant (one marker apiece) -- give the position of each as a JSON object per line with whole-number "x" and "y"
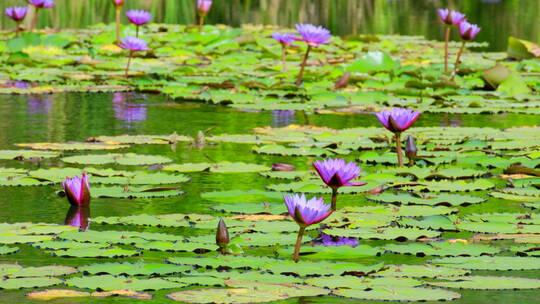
{"x": 313, "y": 36}
{"x": 17, "y": 14}
{"x": 118, "y": 4}
{"x": 78, "y": 216}
{"x": 449, "y": 18}
{"x": 77, "y": 190}
{"x": 396, "y": 121}
{"x": 336, "y": 173}
{"x": 285, "y": 40}
{"x": 203, "y": 6}
{"x": 467, "y": 32}
{"x": 39, "y": 4}
{"x": 305, "y": 213}
{"x": 139, "y": 18}
{"x": 132, "y": 44}
{"x": 410, "y": 149}
{"x": 222, "y": 236}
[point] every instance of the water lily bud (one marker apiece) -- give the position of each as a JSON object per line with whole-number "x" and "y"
{"x": 343, "y": 81}
{"x": 282, "y": 167}
{"x": 410, "y": 148}
{"x": 222, "y": 234}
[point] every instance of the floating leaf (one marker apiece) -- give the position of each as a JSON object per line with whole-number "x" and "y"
{"x": 490, "y": 263}
{"x": 486, "y": 282}
{"x": 130, "y": 159}
{"x": 108, "y": 282}
{"x": 20, "y": 283}
{"x": 71, "y": 146}
{"x": 52, "y": 294}
{"x": 399, "y": 294}
{"x": 133, "y": 269}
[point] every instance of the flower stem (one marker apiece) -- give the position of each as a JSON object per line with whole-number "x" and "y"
{"x": 283, "y": 58}
{"x": 334, "y": 199}
{"x": 118, "y": 24}
{"x": 17, "y": 29}
{"x": 128, "y": 63}
{"x": 457, "y": 59}
{"x": 137, "y": 32}
{"x": 201, "y": 22}
{"x": 446, "y": 40}
{"x": 298, "y": 244}
{"x": 302, "y": 67}
{"x": 34, "y": 20}
{"x": 398, "y": 149}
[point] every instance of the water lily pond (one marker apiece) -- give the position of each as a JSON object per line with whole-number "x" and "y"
{"x": 165, "y": 163}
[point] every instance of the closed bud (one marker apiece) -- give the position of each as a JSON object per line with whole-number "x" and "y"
{"x": 222, "y": 234}
{"x": 282, "y": 167}
{"x": 410, "y": 148}
{"x": 343, "y": 81}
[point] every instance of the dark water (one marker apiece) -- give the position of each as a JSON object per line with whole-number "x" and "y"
{"x": 498, "y": 18}
{"x": 75, "y": 117}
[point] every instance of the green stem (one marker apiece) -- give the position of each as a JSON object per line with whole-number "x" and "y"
{"x": 302, "y": 67}
{"x": 398, "y": 149}
{"x": 298, "y": 244}
{"x": 118, "y": 11}
{"x": 283, "y": 58}
{"x": 457, "y": 59}
{"x": 446, "y": 40}
{"x": 128, "y": 63}
{"x": 17, "y": 29}
{"x": 334, "y": 199}
{"x": 137, "y": 33}
{"x": 34, "y": 20}
{"x": 201, "y": 22}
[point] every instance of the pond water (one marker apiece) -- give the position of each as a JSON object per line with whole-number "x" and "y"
{"x": 75, "y": 117}
{"x": 408, "y": 17}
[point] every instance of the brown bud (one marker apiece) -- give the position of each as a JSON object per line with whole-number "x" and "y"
{"x": 410, "y": 148}
{"x": 222, "y": 234}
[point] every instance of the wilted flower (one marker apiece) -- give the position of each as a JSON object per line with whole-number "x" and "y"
{"x": 78, "y": 216}
{"x": 77, "y": 190}
{"x": 328, "y": 240}
{"x": 203, "y": 6}
{"x": 285, "y": 39}
{"x": 397, "y": 120}
{"x": 16, "y": 13}
{"x": 305, "y": 212}
{"x": 118, "y": 2}
{"x": 139, "y": 17}
{"x": 222, "y": 235}
{"x": 313, "y": 35}
{"x": 451, "y": 17}
{"x": 468, "y": 31}
{"x": 133, "y": 44}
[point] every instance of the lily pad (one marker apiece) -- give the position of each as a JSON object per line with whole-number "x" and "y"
{"x": 486, "y": 282}
{"x": 108, "y": 282}
{"x": 490, "y": 263}
{"x": 399, "y": 294}
{"x": 128, "y": 159}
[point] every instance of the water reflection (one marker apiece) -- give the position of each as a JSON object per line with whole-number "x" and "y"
{"x": 282, "y": 118}
{"x": 130, "y": 113}
{"x": 78, "y": 216}
{"x": 451, "y": 120}
{"x": 39, "y": 104}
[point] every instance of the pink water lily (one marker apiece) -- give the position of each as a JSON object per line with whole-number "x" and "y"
{"x": 285, "y": 39}
{"x": 203, "y": 6}
{"x": 398, "y": 119}
{"x": 305, "y": 213}
{"x": 451, "y": 17}
{"x": 118, "y": 2}
{"x": 468, "y": 31}
{"x": 337, "y": 173}
{"x": 77, "y": 190}
{"x": 42, "y": 3}
{"x": 16, "y": 13}
{"x": 313, "y": 36}
{"x": 139, "y": 17}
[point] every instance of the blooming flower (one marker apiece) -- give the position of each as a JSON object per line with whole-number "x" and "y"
{"x": 77, "y": 190}
{"x": 42, "y": 3}
{"x": 328, "y": 240}
{"x": 336, "y": 173}
{"x": 468, "y": 31}
{"x": 133, "y": 44}
{"x": 118, "y": 2}
{"x": 17, "y": 13}
{"x": 77, "y": 216}
{"x": 139, "y": 17}
{"x": 285, "y": 39}
{"x": 398, "y": 119}
{"x": 451, "y": 17}
{"x": 203, "y": 6}
{"x": 313, "y": 35}
{"x": 307, "y": 212}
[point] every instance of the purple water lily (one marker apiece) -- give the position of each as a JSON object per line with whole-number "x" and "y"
{"x": 285, "y": 40}
{"x": 328, "y": 240}
{"x": 314, "y": 36}
{"x": 468, "y": 31}
{"x": 16, "y": 13}
{"x": 42, "y": 3}
{"x": 396, "y": 121}
{"x": 78, "y": 216}
{"x": 451, "y": 17}
{"x": 77, "y": 190}
{"x": 118, "y": 2}
{"x": 132, "y": 44}
{"x": 305, "y": 213}
{"x": 203, "y": 6}
{"x": 138, "y": 17}
{"x": 337, "y": 173}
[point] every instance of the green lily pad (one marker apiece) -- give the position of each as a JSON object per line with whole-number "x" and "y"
{"x": 108, "y": 282}
{"x": 242, "y": 196}
{"x": 421, "y": 271}
{"x": 135, "y": 192}
{"x": 26, "y": 154}
{"x": 128, "y": 159}
{"x": 8, "y": 250}
{"x": 399, "y": 294}
{"x": 71, "y": 146}
{"x": 443, "y": 249}
{"x": 20, "y": 283}
{"x": 486, "y": 282}
{"x": 388, "y": 233}
{"x": 431, "y": 199}
{"x": 251, "y": 208}
{"x": 490, "y": 263}
{"x": 113, "y": 252}
{"x": 133, "y": 269}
